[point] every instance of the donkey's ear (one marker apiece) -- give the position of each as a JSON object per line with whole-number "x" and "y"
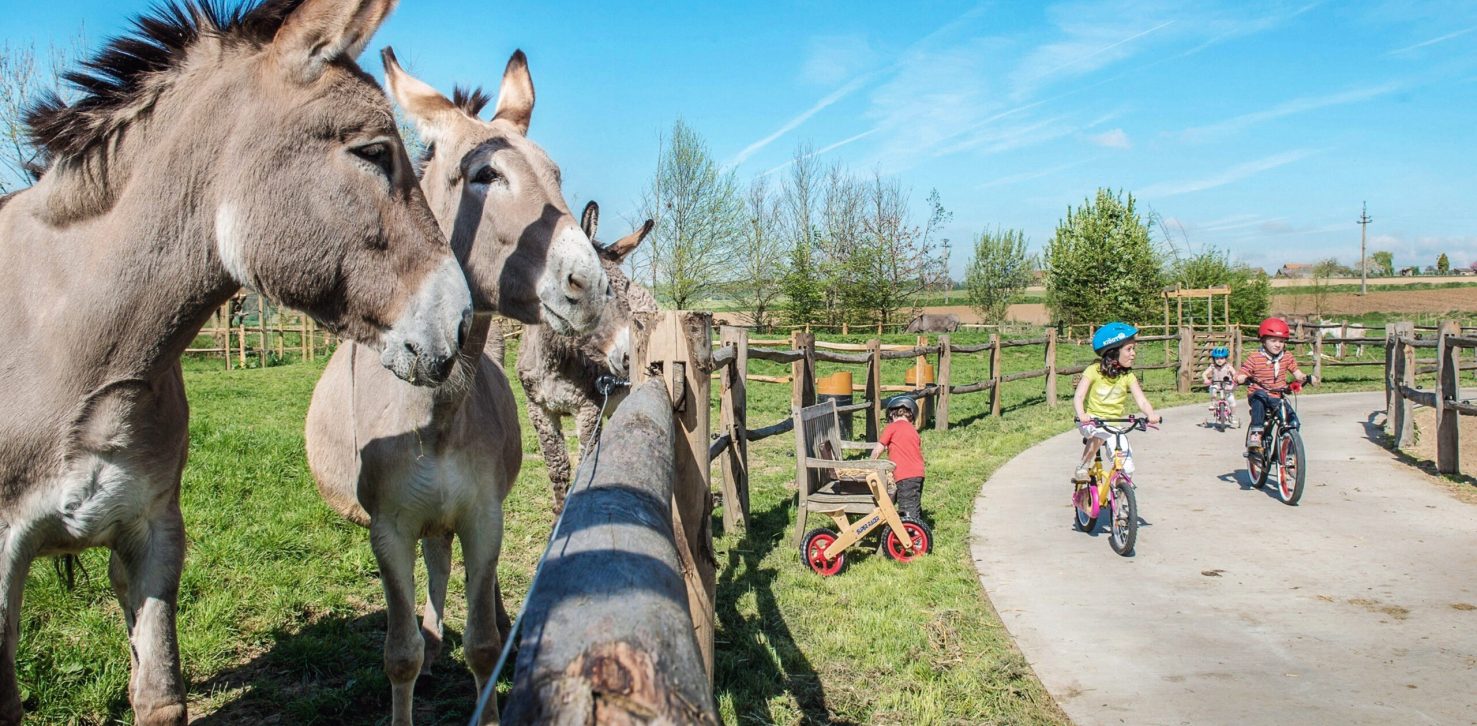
{"x": 590, "y": 219}
{"x": 515, "y": 98}
{"x": 320, "y": 32}
{"x": 625, "y": 245}
{"x": 432, "y": 112}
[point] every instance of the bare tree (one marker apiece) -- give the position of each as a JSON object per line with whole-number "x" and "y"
{"x": 699, "y": 220}
{"x": 896, "y": 260}
{"x": 760, "y": 273}
{"x": 804, "y": 288}
{"x": 841, "y": 244}
{"x": 26, "y": 77}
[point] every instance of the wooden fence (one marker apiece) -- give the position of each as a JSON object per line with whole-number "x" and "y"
{"x": 248, "y": 327}
{"x": 1401, "y": 393}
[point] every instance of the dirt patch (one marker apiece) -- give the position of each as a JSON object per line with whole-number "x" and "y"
{"x": 1463, "y": 606}
{"x": 1456, "y": 299}
{"x": 1424, "y": 449}
{"x": 1375, "y": 606}
{"x": 1031, "y": 313}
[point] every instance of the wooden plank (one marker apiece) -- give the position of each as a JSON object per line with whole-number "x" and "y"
{"x": 1051, "y": 368}
{"x": 1448, "y": 388}
{"x": 777, "y": 356}
{"x": 874, "y": 390}
{"x": 852, "y": 358}
{"x": 733, "y": 420}
{"x": 995, "y": 375}
{"x": 972, "y": 388}
{"x": 1186, "y": 359}
{"x": 768, "y": 431}
{"x": 1402, "y": 426}
{"x": 611, "y": 625}
{"x": 941, "y": 406}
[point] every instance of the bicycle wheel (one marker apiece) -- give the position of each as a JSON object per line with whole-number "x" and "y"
{"x": 920, "y": 534}
{"x": 813, "y": 549}
{"x": 1290, "y": 469}
{"x": 1081, "y": 506}
{"x": 1125, "y": 529}
{"x": 1256, "y": 465}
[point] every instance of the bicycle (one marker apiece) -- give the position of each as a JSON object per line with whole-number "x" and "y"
{"x": 1091, "y": 497}
{"x": 1222, "y": 408}
{"x": 1282, "y": 449}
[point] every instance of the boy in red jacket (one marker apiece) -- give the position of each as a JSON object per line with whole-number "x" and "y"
{"x": 903, "y": 446}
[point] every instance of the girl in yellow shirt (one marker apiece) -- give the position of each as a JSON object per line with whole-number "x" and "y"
{"x": 1104, "y": 391}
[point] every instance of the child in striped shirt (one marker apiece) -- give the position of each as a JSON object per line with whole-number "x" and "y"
{"x": 1265, "y": 374}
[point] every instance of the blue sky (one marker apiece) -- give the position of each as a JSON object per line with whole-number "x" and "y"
{"x": 1255, "y": 127}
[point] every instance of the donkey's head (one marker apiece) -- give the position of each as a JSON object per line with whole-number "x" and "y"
{"x": 610, "y": 342}
{"x": 497, "y": 195}
{"x": 256, "y": 130}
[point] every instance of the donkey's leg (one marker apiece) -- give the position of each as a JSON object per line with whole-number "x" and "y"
{"x": 145, "y": 570}
{"x": 482, "y": 537}
{"x": 437, "y": 551}
{"x": 13, "y": 568}
{"x": 404, "y": 647}
{"x": 556, "y": 457}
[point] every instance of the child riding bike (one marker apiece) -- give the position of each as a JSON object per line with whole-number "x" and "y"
{"x": 1265, "y": 373}
{"x": 1104, "y": 391}
{"x": 1220, "y": 378}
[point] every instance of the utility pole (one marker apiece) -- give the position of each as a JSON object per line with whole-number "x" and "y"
{"x": 1364, "y": 220}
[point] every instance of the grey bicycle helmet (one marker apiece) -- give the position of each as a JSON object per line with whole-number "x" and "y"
{"x": 902, "y": 402}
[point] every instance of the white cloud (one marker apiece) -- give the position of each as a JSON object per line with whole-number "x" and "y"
{"x": 1229, "y": 176}
{"x": 1286, "y": 108}
{"x": 1433, "y": 41}
{"x": 833, "y": 59}
{"x": 1115, "y": 139}
{"x": 795, "y": 122}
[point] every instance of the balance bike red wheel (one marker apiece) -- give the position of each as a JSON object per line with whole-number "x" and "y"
{"x": 920, "y": 542}
{"x": 813, "y": 553}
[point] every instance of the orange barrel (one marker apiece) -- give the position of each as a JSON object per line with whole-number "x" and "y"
{"x": 837, "y": 387}
{"x": 925, "y": 404}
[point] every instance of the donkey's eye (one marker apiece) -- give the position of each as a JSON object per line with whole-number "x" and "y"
{"x": 377, "y": 153}
{"x": 486, "y": 176}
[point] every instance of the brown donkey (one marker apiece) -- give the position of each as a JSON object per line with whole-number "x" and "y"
{"x": 558, "y": 371}
{"x": 212, "y": 149}
{"x": 413, "y": 464}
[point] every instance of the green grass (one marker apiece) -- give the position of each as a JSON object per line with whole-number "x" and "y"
{"x": 282, "y": 618}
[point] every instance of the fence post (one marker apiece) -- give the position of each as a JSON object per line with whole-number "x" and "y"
{"x": 874, "y": 388}
{"x": 941, "y": 406}
{"x": 1389, "y": 372}
{"x": 1051, "y": 367}
{"x": 1448, "y": 387}
{"x": 802, "y": 383}
{"x": 1343, "y": 333}
{"x": 1404, "y": 429}
{"x": 995, "y": 374}
{"x": 681, "y": 341}
{"x": 1318, "y": 353}
{"x": 733, "y": 418}
{"x": 261, "y": 330}
{"x": 1187, "y": 359}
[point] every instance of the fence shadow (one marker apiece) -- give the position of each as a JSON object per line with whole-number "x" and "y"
{"x": 763, "y": 645}
{"x": 332, "y": 672}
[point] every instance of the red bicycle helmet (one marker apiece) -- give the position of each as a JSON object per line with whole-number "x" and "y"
{"x": 1274, "y": 328}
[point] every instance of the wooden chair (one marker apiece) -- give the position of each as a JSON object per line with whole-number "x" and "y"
{"x": 825, "y": 481}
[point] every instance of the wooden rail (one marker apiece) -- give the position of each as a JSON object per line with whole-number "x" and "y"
{"x": 610, "y": 637}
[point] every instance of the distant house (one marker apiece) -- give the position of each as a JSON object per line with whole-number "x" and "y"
{"x": 1295, "y": 269}
{"x": 1409, "y": 271}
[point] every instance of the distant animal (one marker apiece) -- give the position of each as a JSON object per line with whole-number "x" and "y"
{"x": 933, "y": 323}
{"x": 558, "y": 372}
{"x": 1355, "y": 330}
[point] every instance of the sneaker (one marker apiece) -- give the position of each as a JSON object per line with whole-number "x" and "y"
{"x": 1080, "y": 475}
{"x": 1254, "y": 441}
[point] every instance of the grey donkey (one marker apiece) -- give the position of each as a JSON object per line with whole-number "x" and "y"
{"x": 558, "y": 372}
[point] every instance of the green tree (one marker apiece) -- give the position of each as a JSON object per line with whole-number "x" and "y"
{"x": 1101, "y": 264}
{"x": 699, "y": 220}
{"x": 760, "y": 272}
{"x": 804, "y": 302}
{"x": 1322, "y": 271}
{"x": 1443, "y": 265}
{"x": 1251, "y": 290}
{"x": 1384, "y": 262}
{"x": 999, "y": 270}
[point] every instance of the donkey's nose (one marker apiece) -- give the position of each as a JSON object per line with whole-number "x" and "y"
{"x": 441, "y": 369}
{"x": 574, "y": 287}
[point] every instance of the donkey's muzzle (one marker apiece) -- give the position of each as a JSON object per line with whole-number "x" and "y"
{"x": 422, "y": 346}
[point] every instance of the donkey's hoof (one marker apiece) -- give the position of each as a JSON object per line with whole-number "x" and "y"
{"x": 166, "y": 714}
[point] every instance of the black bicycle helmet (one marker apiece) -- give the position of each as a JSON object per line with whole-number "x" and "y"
{"x": 902, "y": 402}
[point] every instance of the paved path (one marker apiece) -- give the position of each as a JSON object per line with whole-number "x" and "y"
{"x": 1356, "y": 606}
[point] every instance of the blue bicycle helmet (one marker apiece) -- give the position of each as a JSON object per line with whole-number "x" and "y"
{"x": 1112, "y": 335}
{"x": 1220, "y": 352}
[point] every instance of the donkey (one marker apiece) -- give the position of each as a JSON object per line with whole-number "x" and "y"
{"x": 558, "y": 372}
{"x": 211, "y": 149}
{"x": 933, "y": 323}
{"x": 412, "y": 464}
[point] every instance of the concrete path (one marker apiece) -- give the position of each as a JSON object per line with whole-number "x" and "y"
{"x": 1357, "y": 606}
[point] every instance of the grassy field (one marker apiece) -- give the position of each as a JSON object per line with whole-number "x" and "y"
{"x": 281, "y": 615}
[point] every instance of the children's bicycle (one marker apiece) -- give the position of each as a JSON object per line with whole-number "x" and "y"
{"x": 1281, "y": 449}
{"x": 906, "y": 539}
{"x": 1111, "y": 490}
{"x": 1222, "y": 407}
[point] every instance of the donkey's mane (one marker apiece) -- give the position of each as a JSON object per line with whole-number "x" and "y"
{"x": 117, "y": 77}
{"x": 472, "y": 101}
